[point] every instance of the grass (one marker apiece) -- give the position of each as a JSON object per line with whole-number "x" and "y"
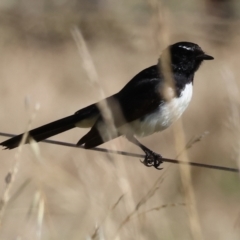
{"x": 52, "y": 192}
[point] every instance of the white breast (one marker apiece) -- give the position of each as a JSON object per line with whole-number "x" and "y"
{"x": 164, "y": 116}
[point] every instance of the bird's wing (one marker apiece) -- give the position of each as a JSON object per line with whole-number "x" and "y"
{"x": 141, "y": 95}
{"x": 138, "y": 98}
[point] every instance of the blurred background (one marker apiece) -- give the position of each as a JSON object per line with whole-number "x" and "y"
{"x": 58, "y": 192}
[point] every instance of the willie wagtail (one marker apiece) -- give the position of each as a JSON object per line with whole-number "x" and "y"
{"x": 150, "y": 102}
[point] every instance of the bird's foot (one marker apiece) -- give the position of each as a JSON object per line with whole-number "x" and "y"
{"x": 152, "y": 159}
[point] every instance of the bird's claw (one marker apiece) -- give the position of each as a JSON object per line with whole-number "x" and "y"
{"x": 152, "y": 159}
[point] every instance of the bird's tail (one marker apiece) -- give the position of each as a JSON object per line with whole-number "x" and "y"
{"x": 85, "y": 117}
{"x": 43, "y": 132}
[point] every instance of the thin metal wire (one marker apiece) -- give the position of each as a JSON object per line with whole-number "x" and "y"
{"x": 228, "y": 169}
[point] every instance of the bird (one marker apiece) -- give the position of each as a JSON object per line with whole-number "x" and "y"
{"x": 150, "y": 102}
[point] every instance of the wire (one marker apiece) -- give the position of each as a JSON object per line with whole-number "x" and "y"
{"x": 228, "y": 169}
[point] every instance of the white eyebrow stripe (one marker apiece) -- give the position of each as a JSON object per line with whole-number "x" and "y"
{"x": 187, "y": 48}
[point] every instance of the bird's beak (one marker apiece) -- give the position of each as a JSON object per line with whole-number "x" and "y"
{"x": 205, "y": 57}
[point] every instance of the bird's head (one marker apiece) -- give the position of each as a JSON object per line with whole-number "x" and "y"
{"x": 185, "y": 57}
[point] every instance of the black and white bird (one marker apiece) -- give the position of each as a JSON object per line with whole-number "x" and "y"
{"x": 150, "y": 102}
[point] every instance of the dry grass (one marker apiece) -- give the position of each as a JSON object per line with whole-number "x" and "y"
{"x": 65, "y": 193}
